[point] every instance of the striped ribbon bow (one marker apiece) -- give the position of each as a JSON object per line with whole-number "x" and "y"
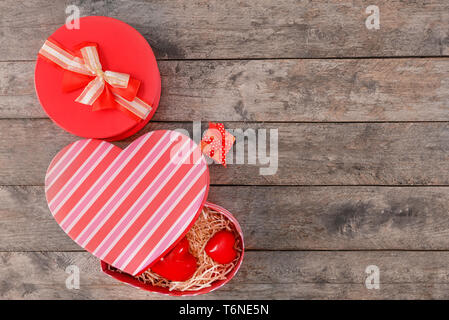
{"x": 102, "y": 89}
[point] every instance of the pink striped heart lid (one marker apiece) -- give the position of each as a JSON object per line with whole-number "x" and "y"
{"x": 128, "y": 207}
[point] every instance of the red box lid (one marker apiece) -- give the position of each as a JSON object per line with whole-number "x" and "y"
{"x": 128, "y": 207}
{"x": 121, "y": 48}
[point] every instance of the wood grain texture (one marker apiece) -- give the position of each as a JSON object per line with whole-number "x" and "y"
{"x": 263, "y": 275}
{"x": 273, "y": 218}
{"x": 245, "y": 29}
{"x": 300, "y": 222}
{"x": 275, "y": 90}
{"x": 308, "y": 154}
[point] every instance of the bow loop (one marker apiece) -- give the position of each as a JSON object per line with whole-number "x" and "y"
{"x": 91, "y": 92}
{"x": 91, "y": 58}
{"x": 116, "y": 79}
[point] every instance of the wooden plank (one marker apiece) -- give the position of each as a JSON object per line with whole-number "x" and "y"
{"x": 308, "y": 154}
{"x": 264, "y": 275}
{"x": 250, "y": 29}
{"x": 274, "y": 218}
{"x": 275, "y": 90}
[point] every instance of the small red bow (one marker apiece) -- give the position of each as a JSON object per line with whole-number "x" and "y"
{"x": 217, "y": 142}
{"x": 102, "y": 89}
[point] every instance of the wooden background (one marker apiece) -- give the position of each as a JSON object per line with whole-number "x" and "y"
{"x": 363, "y": 120}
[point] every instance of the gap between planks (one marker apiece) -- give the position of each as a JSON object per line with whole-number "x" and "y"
{"x": 289, "y": 185}
{"x": 264, "y": 121}
{"x": 283, "y": 58}
{"x": 259, "y": 250}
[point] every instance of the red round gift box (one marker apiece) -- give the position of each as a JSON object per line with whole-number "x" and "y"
{"x": 121, "y": 48}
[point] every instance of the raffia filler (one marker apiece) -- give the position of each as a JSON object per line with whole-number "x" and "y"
{"x": 208, "y": 271}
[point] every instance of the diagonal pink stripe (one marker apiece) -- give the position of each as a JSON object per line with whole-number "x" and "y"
{"x": 136, "y": 210}
{"x": 178, "y": 228}
{"x": 100, "y": 183}
{"x": 64, "y": 162}
{"x": 119, "y": 197}
{"x": 169, "y": 204}
{"x": 99, "y": 152}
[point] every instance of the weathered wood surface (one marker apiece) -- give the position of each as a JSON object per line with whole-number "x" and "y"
{"x": 247, "y": 29}
{"x": 274, "y": 218}
{"x": 309, "y": 153}
{"x": 275, "y": 90}
{"x": 314, "y": 206}
{"x": 264, "y": 275}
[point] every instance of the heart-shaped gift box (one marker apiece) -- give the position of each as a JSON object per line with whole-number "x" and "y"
{"x": 131, "y": 207}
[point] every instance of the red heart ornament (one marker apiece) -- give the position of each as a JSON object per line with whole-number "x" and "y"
{"x": 221, "y": 247}
{"x": 128, "y": 207}
{"x": 126, "y": 278}
{"x": 178, "y": 265}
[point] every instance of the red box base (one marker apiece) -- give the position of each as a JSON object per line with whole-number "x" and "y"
{"x": 123, "y": 277}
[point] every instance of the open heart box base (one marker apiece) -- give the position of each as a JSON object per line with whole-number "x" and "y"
{"x": 138, "y": 283}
